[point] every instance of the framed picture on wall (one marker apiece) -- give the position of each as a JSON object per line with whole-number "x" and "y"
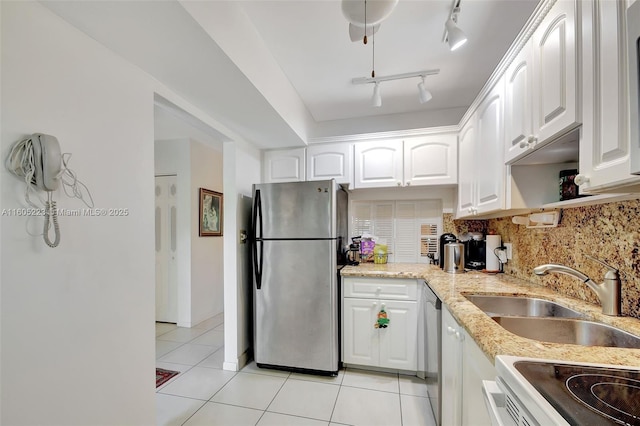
{"x": 210, "y": 213}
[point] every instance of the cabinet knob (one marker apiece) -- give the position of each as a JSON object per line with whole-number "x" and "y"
{"x": 450, "y": 330}
{"x": 459, "y": 336}
{"x": 581, "y": 179}
{"x": 408, "y": 183}
{"x": 524, "y": 144}
{"x": 399, "y": 183}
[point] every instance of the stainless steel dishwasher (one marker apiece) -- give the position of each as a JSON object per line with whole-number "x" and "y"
{"x": 433, "y": 351}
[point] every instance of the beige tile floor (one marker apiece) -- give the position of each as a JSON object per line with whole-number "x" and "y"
{"x": 204, "y": 394}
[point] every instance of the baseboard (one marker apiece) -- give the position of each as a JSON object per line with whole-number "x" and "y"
{"x": 239, "y": 363}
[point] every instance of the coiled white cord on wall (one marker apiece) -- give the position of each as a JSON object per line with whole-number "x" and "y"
{"x": 21, "y": 162}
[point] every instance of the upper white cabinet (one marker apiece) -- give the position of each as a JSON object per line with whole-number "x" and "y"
{"x": 518, "y": 105}
{"x": 431, "y": 160}
{"x": 481, "y": 186}
{"x": 330, "y": 161}
{"x": 286, "y": 165}
{"x": 605, "y": 146}
{"x": 424, "y": 160}
{"x": 378, "y": 164}
{"x": 555, "y": 83}
{"x": 541, "y": 83}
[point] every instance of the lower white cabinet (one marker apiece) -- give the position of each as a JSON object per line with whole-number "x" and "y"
{"x": 392, "y": 347}
{"x": 464, "y": 367}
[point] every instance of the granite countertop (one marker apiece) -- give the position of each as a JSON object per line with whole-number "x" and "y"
{"x": 489, "y": 335}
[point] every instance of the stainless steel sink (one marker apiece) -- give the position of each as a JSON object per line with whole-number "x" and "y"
{"x": 521, "y": 306}
{"x": 568, "y": 330}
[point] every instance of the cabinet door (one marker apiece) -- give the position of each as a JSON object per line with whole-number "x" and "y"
{"x": 451, "y": 404}
{"x": 359, "y": 337}
{"x": 398, "y": 342}
{"x": 378, "y": 164}
{"x": 476, "y": 367}
{"x": 331, "y": 161}
{"x": 431, "y": 160}
{"x": 518, "y": 104}
{"x": 285, "y": 165}
{"x": 604, "y": 148}
{"x": 466, "y": 170}
{"x": 489, "y": 154}
{"x": 555, "y": 60}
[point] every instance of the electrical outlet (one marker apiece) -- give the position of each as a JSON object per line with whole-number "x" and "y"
{"x": 509, "y": 247}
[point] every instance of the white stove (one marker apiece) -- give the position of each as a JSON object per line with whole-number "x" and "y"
{"x": 530, "y": 391}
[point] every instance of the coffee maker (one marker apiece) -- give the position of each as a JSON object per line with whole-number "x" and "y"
{"x": 475, "y": 249}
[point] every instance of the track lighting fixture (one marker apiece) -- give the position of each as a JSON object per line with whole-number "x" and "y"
{"x": 425, "y": 95}
{"x": 452, "y": 33}
{"x": 376, "y": 100}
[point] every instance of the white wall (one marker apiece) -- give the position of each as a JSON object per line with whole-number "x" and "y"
{"x": 207, "y": 280}
{"x": 242, "y": 169}
{"x": 77, "y": 321}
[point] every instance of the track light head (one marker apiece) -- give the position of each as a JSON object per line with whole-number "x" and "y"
{"x": 455, "y": 36}
{"x": 425, "y": 95}
{"x": 376, "y": 100}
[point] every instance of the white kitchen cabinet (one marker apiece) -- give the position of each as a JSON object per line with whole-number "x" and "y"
{"x": 518, "y": 105}
{"x": 476, "y": 367}
{"x": 431, "y": 160}
{"x": 412, "y": 161}
{"x": 556, "y": 82}
{"x": 464, "y": 367}
{"x": 330, "y": 161}
{"x": 451, "y": 404}
{"x": 378, "y": 164}
{"x": 285, "y": 165}
{"x": 393, "y": 347}
{"x": 541, "y": 93}
{"x": 481, "y": 187}
{"x": 605, "y": 146}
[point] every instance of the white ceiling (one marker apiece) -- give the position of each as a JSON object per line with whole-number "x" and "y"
{"x": 278, "y": 73}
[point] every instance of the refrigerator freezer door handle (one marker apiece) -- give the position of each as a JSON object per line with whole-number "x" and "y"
{"x": 257, "y": 264}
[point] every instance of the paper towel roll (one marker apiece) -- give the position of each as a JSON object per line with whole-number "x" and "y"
{"x": 493, "y": 242}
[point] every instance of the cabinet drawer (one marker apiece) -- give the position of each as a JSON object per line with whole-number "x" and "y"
{"x": 374, "y": 288}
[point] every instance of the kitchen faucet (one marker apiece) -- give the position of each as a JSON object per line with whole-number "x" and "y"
{"x": 608, "y": 292}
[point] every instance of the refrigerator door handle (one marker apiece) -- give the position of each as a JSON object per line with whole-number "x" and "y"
{"x": 257, "y": 264}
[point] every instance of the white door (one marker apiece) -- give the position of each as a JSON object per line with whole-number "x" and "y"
{"x": 166, "y": 244}
{"x": 398, "y": 342}
{"x": 359, "y": 336}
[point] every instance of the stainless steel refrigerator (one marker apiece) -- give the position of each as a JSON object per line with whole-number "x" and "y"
{"x": 299, "y": 231}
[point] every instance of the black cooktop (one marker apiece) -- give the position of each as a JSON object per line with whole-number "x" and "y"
{"x": 586, "y": 395}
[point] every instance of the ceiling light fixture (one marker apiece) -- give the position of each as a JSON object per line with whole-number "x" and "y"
{"x": 376, "y": 100}
{"x": 425, "y": 95}
{"x": 366, "y": 21}
{"x": 452, "y": 33}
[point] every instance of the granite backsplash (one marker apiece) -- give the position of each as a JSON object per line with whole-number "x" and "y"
{"x": 608, "y": 232}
